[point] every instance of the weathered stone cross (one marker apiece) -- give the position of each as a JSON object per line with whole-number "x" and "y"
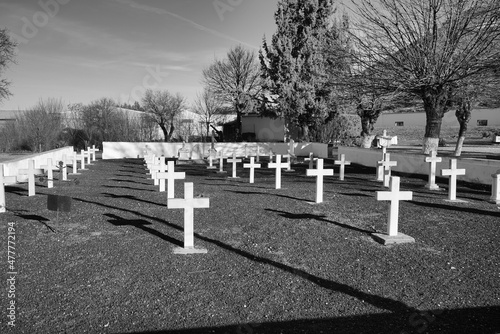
{"x": 342, "y": 164}
{"x": 252, "y": 165}
{"x": 188, "y": 203}
{"x": 433, "y": 159}
{"x": 319, "y": 172}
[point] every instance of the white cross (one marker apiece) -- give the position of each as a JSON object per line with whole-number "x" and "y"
{"x": 221, "y": 163}
{"x": 63, "y": 169}
{"x": 188, "y": 203}
{"x": 150, "y": 161}
{"x": 210, "y": 162}
{"x": 342, "y": 164}
{"x": 31, "y": 176}
{"x": 160, "y": 168}
{"x": 453, "y": 172}
{"x": 93, "y": 150}
{"x": 319, "y": 172}
{"x": 171, "y": 175}
{"x": 289, "y": 162}
{"x": 495, "y": 188}
{"x": 271, "y": 154}
{"x": 252, "y": 165}
{"x": 386, "y": 165}
{"x": 233, "y": 160}
{"x": 89, "y": 155}
{"x": 75, "y": 170}
{"x": 82, "y": 160}
{"x": 154, "y": 168}
{"x": 258, "y": 153}
{"x": 311, "y": 160}
{"x": 380, "y": 169}
{"x": 433, "y": 159}
{"x": 3, "y": 181}
{"x": 278, "y": 166}
{"x": 394, "y": 196}
{"x": 50, "y": 176}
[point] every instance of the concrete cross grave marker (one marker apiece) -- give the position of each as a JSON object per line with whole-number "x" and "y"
{"x": 3, "y": 181}
{"x": 88, "y": 154}
{"x": 495, "y": 188}
{"x": 342, "y": 164}
{"x": 311, "y": 160}
{"x": 150, "y": 161}
{"x": 154, "y": 168}
{"x": 75, "y": 164}
{"x": 380, "y": 169}
{"x": 432, "y": 159}
{"x": 49, "y": 167}
{"x": 233, "y": 160}
{"x": 210, "y": 160}
{"x": 31, "y": 172}
{"x": 453, "y": 172}
{"x": 394, "y": 196}
{"x": 252, "y": 165}
{"x": 171, "y": 175}
{"x": 278, "y": 166}
{"x": 221, "y": 163}
{"x": 161, "y": 167}
{"x": 82, "y": 160}
{"x": 289, "y": 163}
{"x": 63, "y": 168}
{"x": 188, "y": 203}
{"x": 94, "y": 150}
{"x": 386, "y": 165}
{"x": 319, "y": 172}
{"x": 257, "y": 159}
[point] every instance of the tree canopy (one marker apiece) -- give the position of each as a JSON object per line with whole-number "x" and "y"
{"x": 7, "y": 53}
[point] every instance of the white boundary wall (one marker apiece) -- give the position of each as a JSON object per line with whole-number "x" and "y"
{"x": 12, "y": 166}
{"x": 476, "y": 170}
{"x": 122, "y": 150}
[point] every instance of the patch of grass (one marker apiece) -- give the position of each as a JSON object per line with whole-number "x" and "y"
{"x": 275, "y": 262}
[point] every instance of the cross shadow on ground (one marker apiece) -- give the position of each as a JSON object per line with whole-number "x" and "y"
{"x": 321, "y": 218}
{"x": 140, "y": 224}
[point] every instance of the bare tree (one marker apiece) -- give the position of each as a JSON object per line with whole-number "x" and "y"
{"x": 7, "y": 47}
{"x": 236, "y": 81}
{"x": 164, "y": 107}
{"x": 99, "y": 120}
{"x": 39, "y": 126}
{"x": 210, "y": 108}
{"x": 423, "y": 47}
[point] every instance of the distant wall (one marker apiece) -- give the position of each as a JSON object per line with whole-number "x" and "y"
{"x": 477, "y": 170}
{"x": 121, "y": 150}
{"x": 389, "y": 120}
{"x": 11, "y": 167}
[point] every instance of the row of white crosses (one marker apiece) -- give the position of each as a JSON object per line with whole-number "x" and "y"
{"x": 160, "y": 171}
{"x": 49, "y": 167}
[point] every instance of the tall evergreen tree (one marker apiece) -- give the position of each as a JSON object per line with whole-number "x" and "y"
{"x": 294, "y": 66}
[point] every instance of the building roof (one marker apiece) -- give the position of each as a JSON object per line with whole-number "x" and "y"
{"x": 7, "y": 115}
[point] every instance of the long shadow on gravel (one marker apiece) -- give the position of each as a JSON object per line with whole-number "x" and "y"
{"x": 270, "y": 194}
{"x": 375, "y": 300}
{"x": 131, "y": 197}
{"x": 457, "y": 208}
{"x": 466, "y": 320}
{"x": 321, "y": 218}
{"x": 139, "y": 223}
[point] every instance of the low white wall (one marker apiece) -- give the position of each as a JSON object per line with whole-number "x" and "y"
{"x": 11, "y": 167}
{"x": 477, "y": 170}
{"x": 121, "y": 150}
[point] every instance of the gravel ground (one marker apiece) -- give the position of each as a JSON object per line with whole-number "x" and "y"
{"x": 275, "y": 264}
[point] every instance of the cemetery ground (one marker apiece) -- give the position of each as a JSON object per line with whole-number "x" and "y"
{"x": 275, "y": 264}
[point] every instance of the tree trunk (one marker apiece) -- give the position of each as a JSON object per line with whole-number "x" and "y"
{"x": 435, "y": 105}
{"x": 463, "y": 114}
{"x": 366, "y": 132}
{"x": 165, "y": 132}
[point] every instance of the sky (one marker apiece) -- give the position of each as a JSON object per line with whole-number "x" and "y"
{"x": 80, "y": 51}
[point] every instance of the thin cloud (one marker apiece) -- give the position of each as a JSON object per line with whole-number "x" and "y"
{"x": 161, "y": 11}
